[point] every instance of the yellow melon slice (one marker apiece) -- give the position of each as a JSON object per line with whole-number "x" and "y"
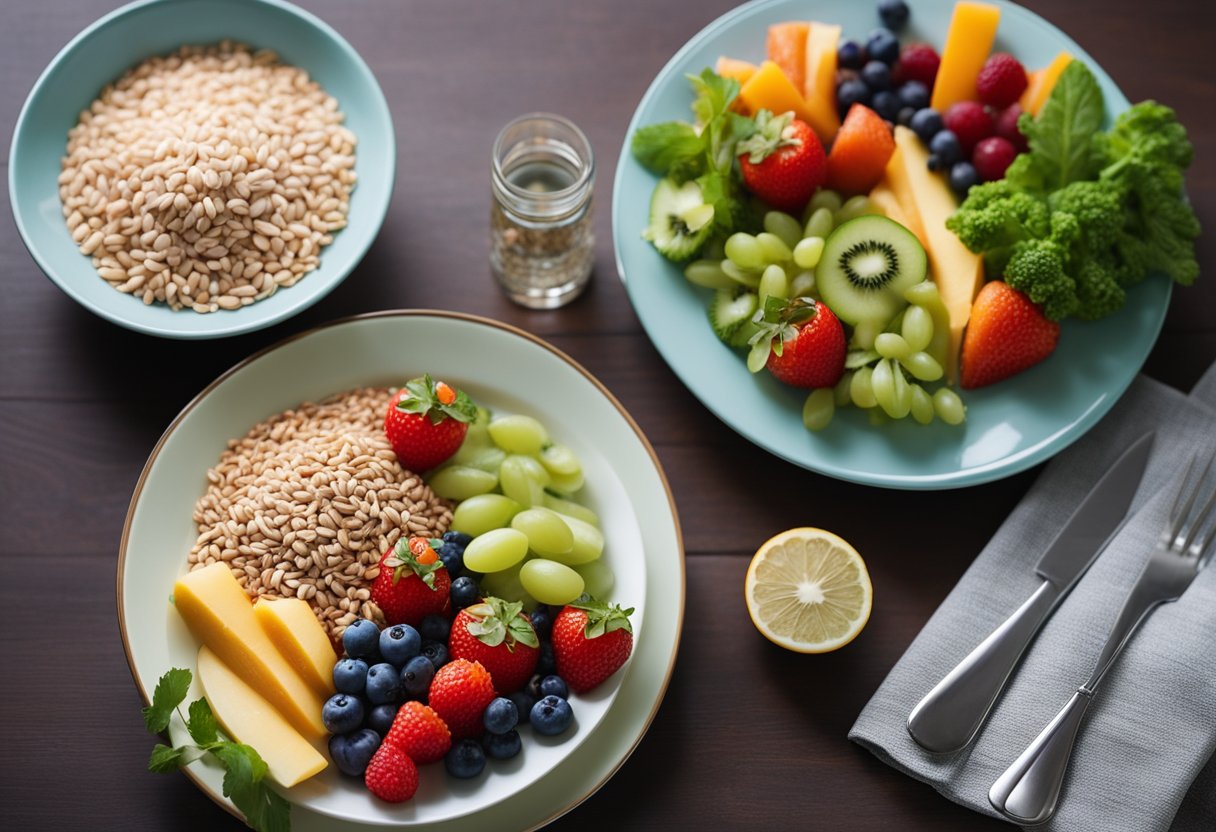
{"x": 884, "y": 198}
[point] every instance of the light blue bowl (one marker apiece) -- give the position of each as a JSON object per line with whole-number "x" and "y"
{"x": 123, "y": 38}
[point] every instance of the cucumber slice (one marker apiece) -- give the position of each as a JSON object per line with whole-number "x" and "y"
{"x": 730, "y": 310}
{"x": 680, "y": 219}
{"x": 867, "y": 264}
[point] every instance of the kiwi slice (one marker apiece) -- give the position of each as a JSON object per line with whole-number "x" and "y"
{"x": 730, "y": 311}
{"x": 680, "y": 219}
{"x": 867, "y": 264}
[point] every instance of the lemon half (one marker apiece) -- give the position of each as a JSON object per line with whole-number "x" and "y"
{"x": 808, "y": 591}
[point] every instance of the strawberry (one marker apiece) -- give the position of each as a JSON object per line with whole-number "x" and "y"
{"x": 801, "y": 342}
{"x": 1001, "y": 81}
{"x": 426, "y": 422}
{"x": 391, "y": 775}
{"x": 591, "y": 640}
{"x": 459, "y": 693}
{"x": 917, "y": 62}
{"x": 1007, "y": 334}
{"x": 782, "y": 162}
{"x": 412, "y": 582}
{"x": 499, "y": 635}
{"x": 970, "y": 122}
{"x": 419, "y": 732}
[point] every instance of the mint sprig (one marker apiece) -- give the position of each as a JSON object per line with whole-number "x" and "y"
{"x": 244, "y": 769}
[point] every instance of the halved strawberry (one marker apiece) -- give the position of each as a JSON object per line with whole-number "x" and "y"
{"x": 1006, "y": 334}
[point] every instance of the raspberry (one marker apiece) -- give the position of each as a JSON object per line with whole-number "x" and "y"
{"x": 391, "y": 775}
{"x": 1007, "y": 127}
{"x": 992, "y": 156}
{"x": 970, "y": 122}
{"x": 420, "y": 733}
{"x": 917, "y": 62}
{"x": 1002, "y": 80}
{"x": 459, "y": 693}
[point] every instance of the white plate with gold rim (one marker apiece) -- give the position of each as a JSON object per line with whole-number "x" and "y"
{"x": 502, "y": 368}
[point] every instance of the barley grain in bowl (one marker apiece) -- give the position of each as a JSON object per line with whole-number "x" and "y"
{"x": 203, "y": 156}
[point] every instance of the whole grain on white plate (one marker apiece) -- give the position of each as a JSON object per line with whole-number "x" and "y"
{"x": 305, "y": 504}
{"x": 208, "y": 179}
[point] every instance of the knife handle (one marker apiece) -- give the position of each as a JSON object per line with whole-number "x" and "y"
{"x": 950, "y": 715}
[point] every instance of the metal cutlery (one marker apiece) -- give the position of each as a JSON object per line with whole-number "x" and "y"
{"x": 950, "y": 715}
{"x": 1029, "y": 790}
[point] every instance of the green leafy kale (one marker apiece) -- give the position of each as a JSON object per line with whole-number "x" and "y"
{"x": 244, "y": 769}
{"x": 1084, "y": 213}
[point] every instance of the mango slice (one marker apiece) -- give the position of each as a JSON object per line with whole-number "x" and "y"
{"x": 819, "y": 91}
{"x": 741, "y": 71}
{"x": 786, "y": 47}
{"x": 1042, "y": 82}
{"x": 770, "y": 89}
{"x": 968, "y": 42}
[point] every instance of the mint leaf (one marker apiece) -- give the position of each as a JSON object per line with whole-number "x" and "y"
{"x": 201, "y": 723}
{"x": 170, "y": 692}
{"x": 661, "y": 147}
{"x": 718, "y": 190}
{"x": 1061, "y": 137}
{"x": 165, "y": 758}
{"x": 714, "y": 94}
{"x": 264, "y": 810}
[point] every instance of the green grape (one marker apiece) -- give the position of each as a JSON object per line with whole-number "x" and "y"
{"x": 547, "y": 533}
{"x": 917, "y": 328}
{"x": 496, "y": 550}
{"x": 588, "y": 542}
{"x": 926, "y": 296}
{"x": 861, "y": 388}
{"x": 483, "y": 455}
{"x": 559, "y": 459}
{"x": 478, "y": 432}
{"x": 566, "y": 484}
{"x": 749, "y": 279}
{"x": 854, "y": 207}
{"x": 819, "y": 408}
{"x": 518, "y": 434}
{"x": 890, "y": 345}
{"x": 707, "y": 273}
{"x": 808, "y": 251}
{"x": 745, "y": 252}
{"x": 460, "y": 482}
{"x": 949, "y": 406}
{"x": 883, "y": 383}
{"x": 923, "y": 366}
{"x": 775, "y": 251}
{"x": 803, "y": 285}
{"x": 571, "y": 509}
{"x": 773, "y": 283}
{"x": 507, "y": 586}
{"x": 840, "y": 393}
{"x": 865, "y": 333}
{"x": 922, "y": 405}
{"x": 902, "y": 399}
{"x": 824, "y": 198}
{"x": 598, "y": 579}
{"x": 820, "y": 224}
{"x": 784, "y": 226}
{"x": 519, "y": 482}
{"x": 550, "y": 582}
{"x": 478, "y": 515}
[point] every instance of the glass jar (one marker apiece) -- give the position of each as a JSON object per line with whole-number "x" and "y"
{"x": 541, "y": 244}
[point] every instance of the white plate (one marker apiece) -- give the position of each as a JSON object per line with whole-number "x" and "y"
{"x": 504, "y": 369}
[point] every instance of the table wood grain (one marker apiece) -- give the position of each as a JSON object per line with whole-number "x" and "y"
{"x": 749, "y": 736}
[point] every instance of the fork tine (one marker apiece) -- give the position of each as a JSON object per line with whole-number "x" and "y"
{"x": 1200, "y": 538}
{"x": 1183, "y": 501}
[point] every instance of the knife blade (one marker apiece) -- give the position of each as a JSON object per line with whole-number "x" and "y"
{"x": 950, "y": 715}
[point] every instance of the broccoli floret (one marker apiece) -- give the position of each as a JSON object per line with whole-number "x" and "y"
{"x": 1098, "y": 291}
{"x": 994, "y": 216}
{"x": 1098, "y": 211}
{"x": 1038, "y": 268}
{"x": 1152, "y": 132}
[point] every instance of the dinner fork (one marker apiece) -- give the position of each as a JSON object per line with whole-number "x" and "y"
{"x": 1029, "y": 790}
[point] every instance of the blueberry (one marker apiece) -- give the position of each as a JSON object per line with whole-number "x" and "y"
{"x": 380, "y": 718}
{"x": 850, "y": 55}
{"x": 500, "y": 716}
{"x": 894, "y": 14}
{"x": 342, "y": 713}
{"x": 554, "y": 686}
{"x": 545, "y": 663}
{"x": 434, "y": 628}
{"x": 459, "y": 538}
{"x": 945, "y": 146}
{"x": 877, "y": 76}
{"x": 416, "y": 677}
{"x": 542, "y": 621}
{"x": 882, "y": 45}
{"x": 350, "y": 676}
{"x": 551, "y": 716}
{"x": 934, "y": 162}
{"x": 465, "y": 759}
{"x": 352, "y": 752}
{"x": 962, "y": 176}
{"x": 523, "y": 704}
{"x": 850, "y": 93}
{"x": 927, "y": 123}
{"x": 452, "y": 557}
{"x": 399, "y": 643}
{"x": 436, "y": 651}
{"x": 904, "y": 116}
{"x": 886, "y": 104}
{"x": 465, "y": 592}
{"x": 383, "y": 684}
{"x": 914, "y": 94}
{"x": 533, "y": 686}
{"x": 361, "y": 640}
{"x": 502, "y": 746}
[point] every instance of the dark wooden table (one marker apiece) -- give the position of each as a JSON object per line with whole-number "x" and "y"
{"x": 749, "y": 736}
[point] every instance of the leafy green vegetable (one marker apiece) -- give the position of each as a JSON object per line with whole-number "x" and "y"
{"x": 244, "y": 769}
{"x": 1084, "y": 214}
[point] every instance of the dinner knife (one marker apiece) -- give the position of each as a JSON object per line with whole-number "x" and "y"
{"x": 951, "y": 714}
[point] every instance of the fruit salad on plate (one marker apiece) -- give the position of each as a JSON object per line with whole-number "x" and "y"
{"x": 884, "y": 224}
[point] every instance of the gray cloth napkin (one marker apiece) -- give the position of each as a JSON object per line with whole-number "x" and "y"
{"x": 1139, "y": 761}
